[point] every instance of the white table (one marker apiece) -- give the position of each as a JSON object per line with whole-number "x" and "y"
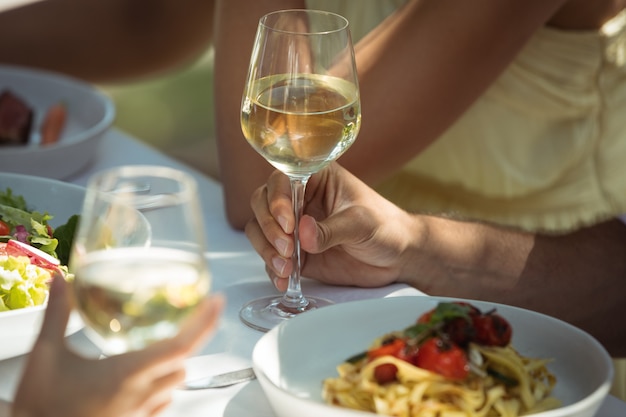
{"x": 239, "y": 274}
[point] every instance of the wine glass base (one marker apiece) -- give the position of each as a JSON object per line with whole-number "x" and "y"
{"x": 265, "y": 313}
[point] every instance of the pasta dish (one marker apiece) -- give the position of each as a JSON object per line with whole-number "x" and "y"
{"x": 456, "y": 361}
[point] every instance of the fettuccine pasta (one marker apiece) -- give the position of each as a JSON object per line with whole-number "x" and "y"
{"x": 498, "y": 382}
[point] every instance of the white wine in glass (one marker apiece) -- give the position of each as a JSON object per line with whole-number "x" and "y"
{"x": 138, "y": 256}
{"x": 300, "y": 110}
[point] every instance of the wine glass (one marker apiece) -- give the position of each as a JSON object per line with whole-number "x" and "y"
{"x": 138, "y": 256}
{"x": 300, "y": 110}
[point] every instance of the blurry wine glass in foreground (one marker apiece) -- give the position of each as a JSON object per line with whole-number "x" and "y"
{"x": 300, "y": 111}
{"x": 138, "y": 256}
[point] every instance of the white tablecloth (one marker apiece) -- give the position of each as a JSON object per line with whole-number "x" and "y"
{"x": 238, "y": 273}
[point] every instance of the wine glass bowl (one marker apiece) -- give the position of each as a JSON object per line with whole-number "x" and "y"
{"x": 318, "y": 120}
{"x": 138, "y": 256}
{"x": 300, "y": 110}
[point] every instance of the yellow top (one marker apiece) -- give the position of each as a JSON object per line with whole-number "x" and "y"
{"x": 544, "y": 148}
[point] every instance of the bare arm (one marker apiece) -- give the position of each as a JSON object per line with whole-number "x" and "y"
{"x": 579, "y": 277}
{"x": 241, "y": 168}
{"x": 106, "y": 40}
{"x": 418, "y": 72}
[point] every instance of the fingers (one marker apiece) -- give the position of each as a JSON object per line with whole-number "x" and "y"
{"x": 159, "y": 394}
{"x": 280, "y": 282}
{"x": 266, "y": 228}
{"x": 270, "y": 230}
{"x": 201, "y": 323}
{"x": 160, "y": 408}
{"x": 277, "y": 266}
{"x": 167, "y": 355}
{"x": 152, "y": 373}
{"x": 135, "y": 393}
{"x": 57, "y": 312}
{"x": 278, "y": 200}
{"x": 276, "y": 255}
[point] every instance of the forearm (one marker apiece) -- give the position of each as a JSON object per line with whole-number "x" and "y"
{"x": 242, "y": 170}
{"x": 580, "y": 277}
{"x": 424, "y": 66}
{"x": 106, "y": 40}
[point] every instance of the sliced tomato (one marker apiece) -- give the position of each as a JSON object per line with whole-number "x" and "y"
{"x": 3, "y": 249}
{"x": 393, "y": 348}
{"x": 5, "y": 229}
{"x": 446, "y": 359}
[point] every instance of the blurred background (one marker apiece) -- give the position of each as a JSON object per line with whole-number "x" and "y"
{"x": 173, "y": 113}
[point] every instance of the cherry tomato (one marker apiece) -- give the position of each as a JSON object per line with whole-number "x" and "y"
{"x": 460, "y": 331}
{"x": 409, "y": 354}
{"x": 492, "y": 330}
{"x": 471, "y": 310}
{"x": 5, "y": 229}
{"x": 385, "y": 373}
{"x": 446, "y": 359}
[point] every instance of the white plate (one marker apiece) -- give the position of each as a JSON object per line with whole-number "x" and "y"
{"x": 89, "y": 114}
{"x": 293, "y": 359}
{"x": 19, "y": 328}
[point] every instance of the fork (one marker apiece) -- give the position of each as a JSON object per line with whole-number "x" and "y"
{"x": 219, "y": 381}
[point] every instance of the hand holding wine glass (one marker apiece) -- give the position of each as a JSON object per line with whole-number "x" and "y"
{"x": 300, "y": 111}
{"x": 138, "y": 256}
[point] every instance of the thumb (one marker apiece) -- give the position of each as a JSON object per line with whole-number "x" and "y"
{"x": 349, "y": 226}
{"x": 57, "y": 311}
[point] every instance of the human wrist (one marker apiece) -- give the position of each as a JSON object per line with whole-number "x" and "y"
{"x": 415, "y": 229}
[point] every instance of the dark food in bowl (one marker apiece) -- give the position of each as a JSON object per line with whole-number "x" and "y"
{"x": 16, "y": 119}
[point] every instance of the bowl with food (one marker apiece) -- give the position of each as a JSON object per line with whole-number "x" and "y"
{"x": 50, "y": 124}
{"x": 422, "y": 356}
{"x": 37, "y": 221}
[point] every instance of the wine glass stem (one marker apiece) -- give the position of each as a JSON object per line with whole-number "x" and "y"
{"x": 293, "y": 297}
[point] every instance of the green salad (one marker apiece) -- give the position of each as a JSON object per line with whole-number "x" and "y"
{"x": 30, "y": 251}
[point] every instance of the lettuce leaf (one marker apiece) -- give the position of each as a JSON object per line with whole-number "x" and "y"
{"x": 22, "y": 284}
{"x": 7, "y": 198}
{"x": 15, "y": 213}
{"x": 65, "y": 235}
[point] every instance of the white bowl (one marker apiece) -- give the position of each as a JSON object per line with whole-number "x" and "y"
{"x": 89, "y": 114}
{"x": 293, "y": 359}
{"x": 19, "y": 328}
